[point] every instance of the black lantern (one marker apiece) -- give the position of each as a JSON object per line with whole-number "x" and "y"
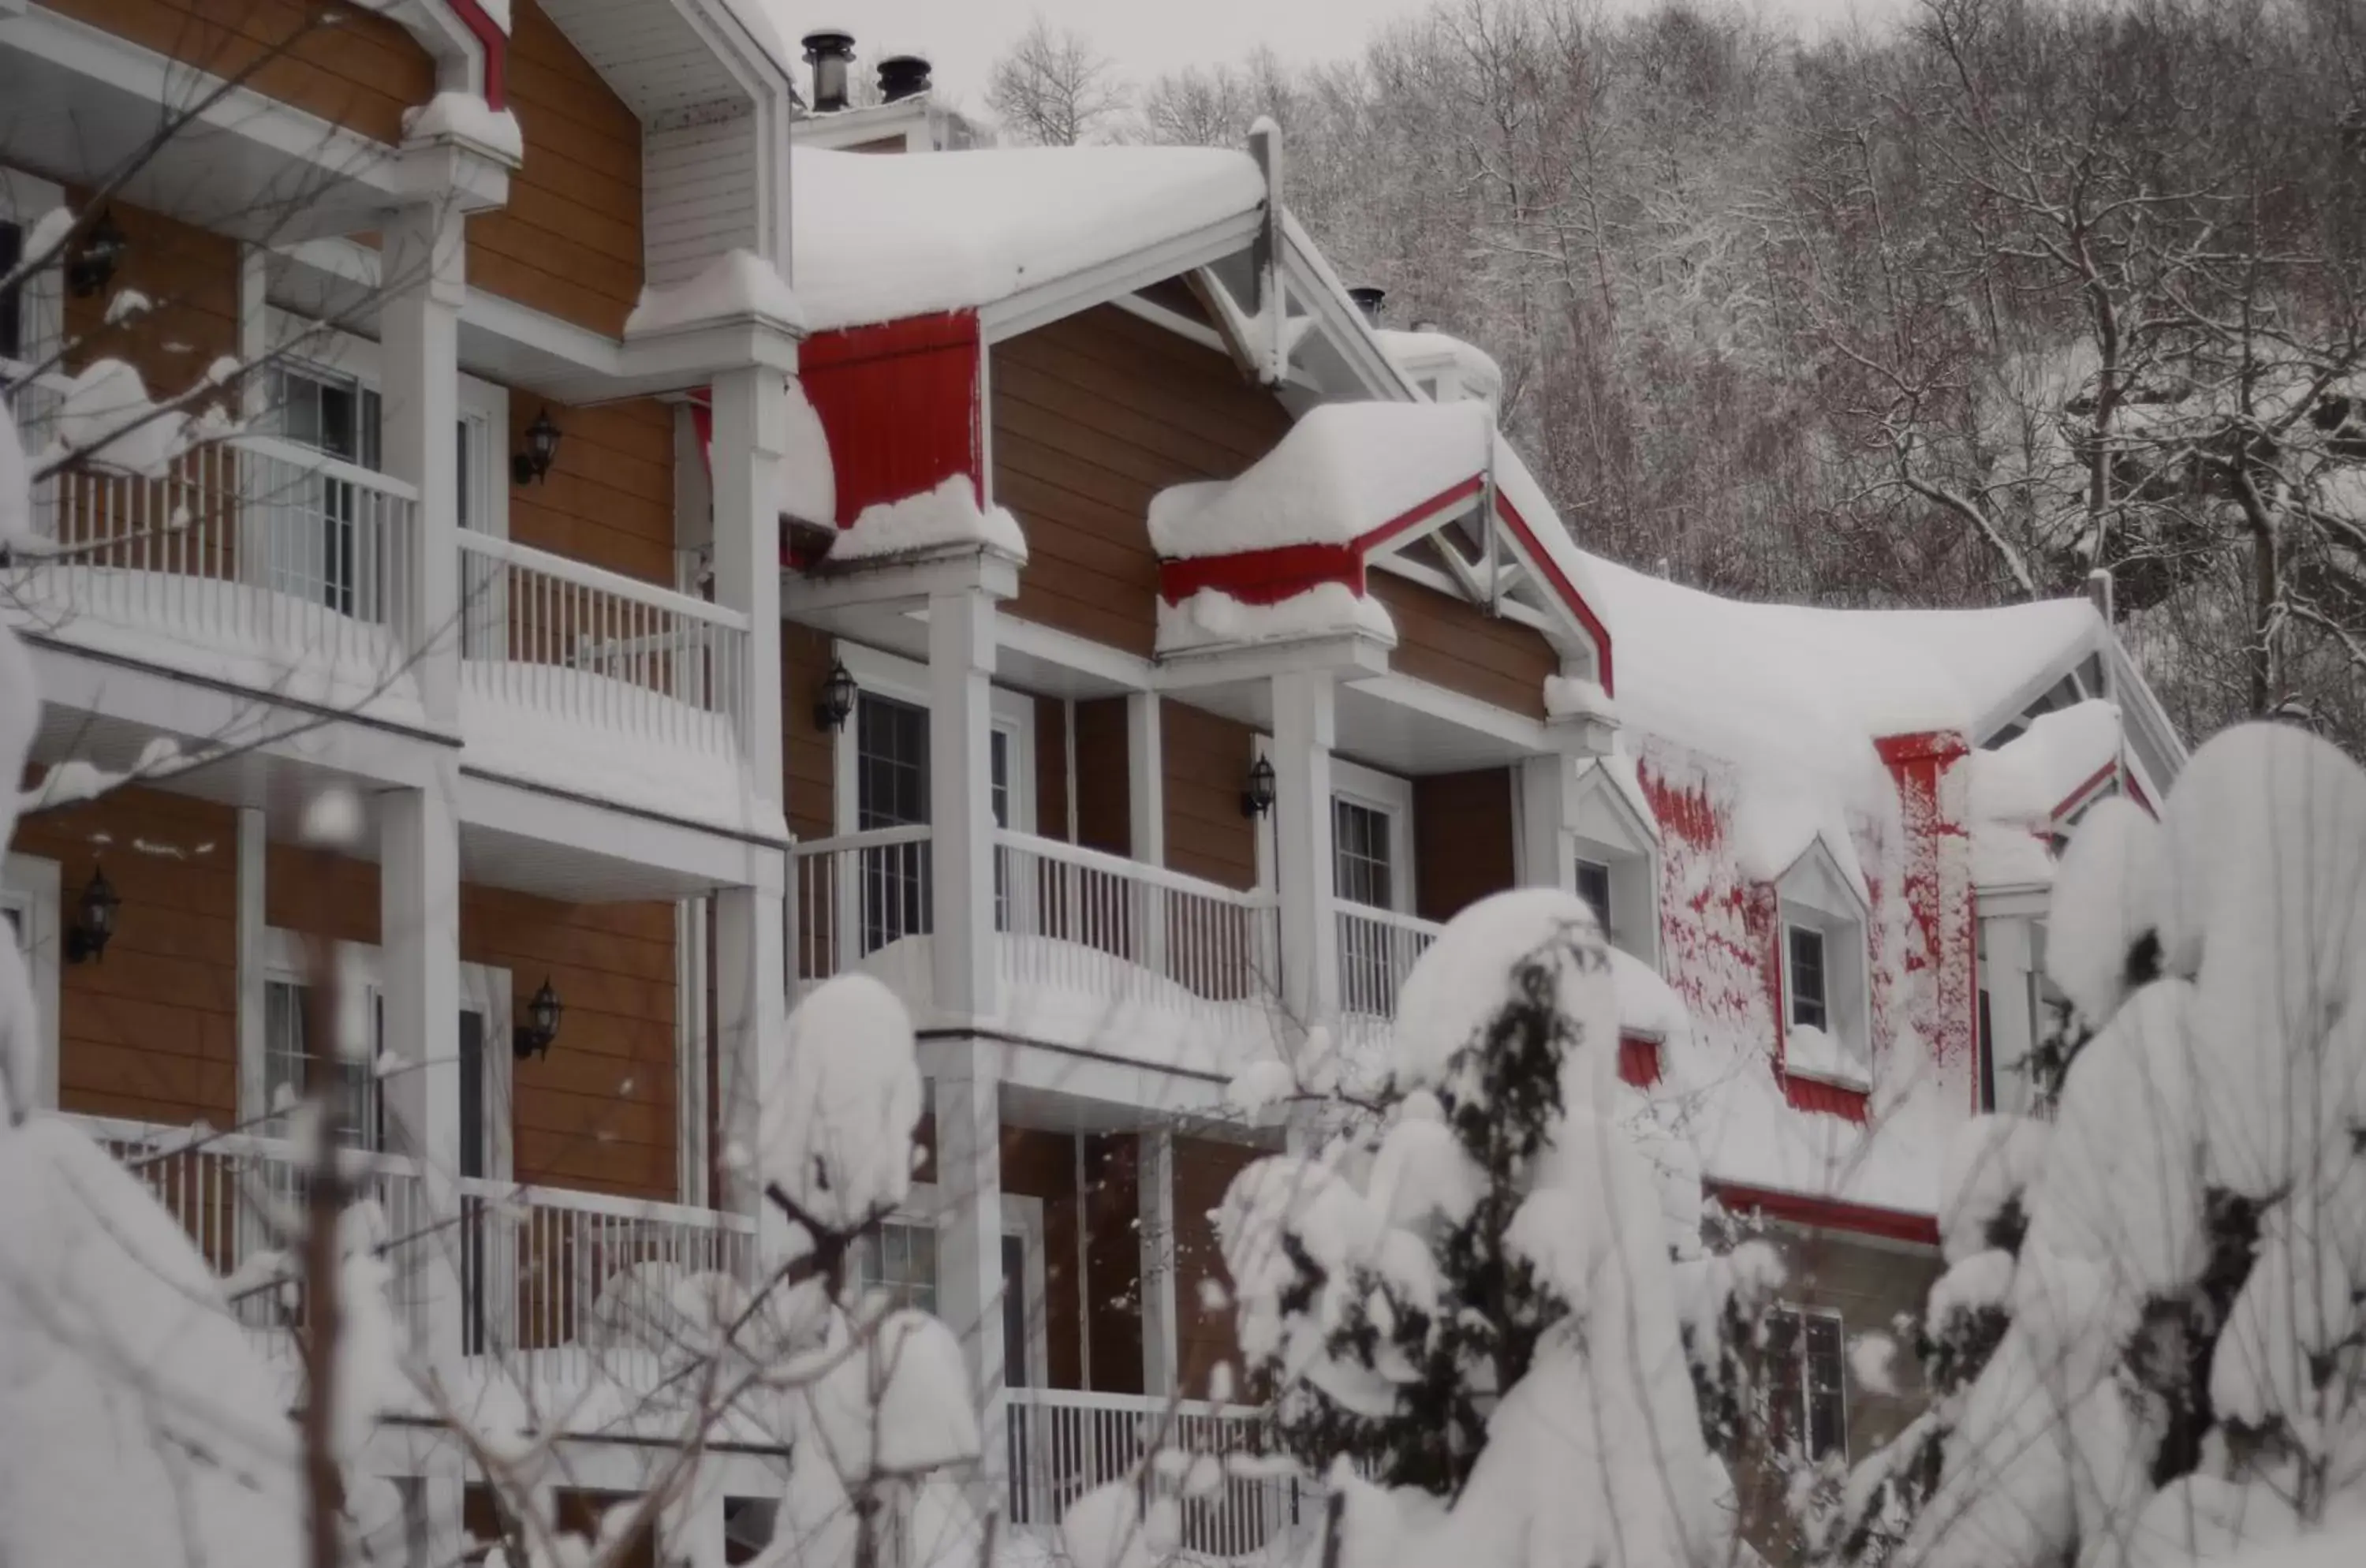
{"x": 94, "y": 919}
{"x": 1257, "y": 799}
{"x": 835, "y": 704}
{"x": 543, "y": 1013}
{"x": 91, "y": 266}
{"x": 541, "y": 449}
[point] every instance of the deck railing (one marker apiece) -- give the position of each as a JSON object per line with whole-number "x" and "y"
{"x": 1377, "y": 950}
{"x": 854, "y": 894}
{"x": 543, "y": 635}
{"x": 1063, "y": 1443}
{"x": 1217, "y": 943}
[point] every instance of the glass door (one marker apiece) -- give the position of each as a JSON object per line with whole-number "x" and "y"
{"x": 892, "y": 791}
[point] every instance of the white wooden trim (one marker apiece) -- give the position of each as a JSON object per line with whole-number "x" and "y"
{"x": 692, "y": 1090}
{"x": 32, "y": 886}
{"x": 926, "y": 1204}
{"x": 1393, "y": 797}
{"x": 1048, "y": 301}
{"x": 1174, "y": 321}
{"x": 600, "y": 580}
{"x": 254, "y": 854}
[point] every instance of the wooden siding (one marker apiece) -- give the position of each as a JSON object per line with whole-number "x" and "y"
{"x": 1461, "y": 840}
{"x": 1453, "y": 643}
{"x": 1042, "y": 1166}
{"x": 701, "y": 198}
{"x": 608, "y": 499}
{"x": 569, "y": 243}
{"x": 150, "y": 1032}
{"x": 1207, "y": 759}
{"x": 1113, "y": 1260}
{"x": 360, "y": 72}
{"x": 1052, "y": 768}
{"x": 1104, "y": 775}
{"x": 808, "y": 752}
{"x": 1092, "y": 415}
{"x": 190, "y": 275}
{"x": 1204, "y": 1333}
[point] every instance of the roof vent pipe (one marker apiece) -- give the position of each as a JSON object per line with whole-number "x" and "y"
{"x": 903, "y": 76}
{"x": 830, "y": 53}
{"x": 1369, "y": 300}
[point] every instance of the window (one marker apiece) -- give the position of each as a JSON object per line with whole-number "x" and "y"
{"x": 892, "y": 791}
{"x": 1804, "y": 980}
{"x": 900, "y": 1260}
{"x": 1362, "y": 868}
{"x": 1806, "y": 1405}
{"x": 1594, "y": 887}
{"x": 12, "y": 309}
{"x": 294, "y": 1065}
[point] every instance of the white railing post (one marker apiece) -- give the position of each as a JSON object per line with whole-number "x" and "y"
{"x": 1145, "y": 758}
{"x": 1304, "y": 731}
{"x": 750, "y": 437}
{"x": 424, "y": 260}
{"x": 960, "y": 667}
{"x": 419, "y": 902}
{"x": 966, "y": 1096}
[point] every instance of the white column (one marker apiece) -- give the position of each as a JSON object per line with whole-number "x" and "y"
{"x": 750, "y": 433}
{"x": 2007, "y": 964}
{"x": 750, "y": 1037}
{"x": 423, "y": 252}
{"x": 969, "y": 1237}
{"x": 960, "y": 814}
{"x": 419, "y": 917}
{"x": 1546, "y": 789}
{"x": 1305, "y": 729}
{"x": 1145, "y": 761}
{"x": 253, "y": 854}
{"x": 1155, "y": 1184}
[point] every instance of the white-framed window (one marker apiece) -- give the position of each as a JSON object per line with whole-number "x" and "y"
{"x": 1371, "y": 838}
{"x": 1804, "y": 1382}
{"x": 1616, "y": 853}
{"x": 30, "y": 901}
{"x": 899, "y": 793}
{"x": 295, "y": 1060}
{"x": 32, "y": 320}
{"x": 1827, "y": 1021}
{"x": 1594, "y": 887}
{"x": 900, "y": 1257}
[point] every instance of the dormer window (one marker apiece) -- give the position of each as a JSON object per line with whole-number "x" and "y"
{"x": 1827, "y": 1007}
{"x": 1804, "y": 981}
{"x": 1616, "y": 851}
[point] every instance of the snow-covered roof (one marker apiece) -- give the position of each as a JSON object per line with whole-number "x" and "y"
{"x": 1425, "y": 352}
{"x": 881, "y": 238}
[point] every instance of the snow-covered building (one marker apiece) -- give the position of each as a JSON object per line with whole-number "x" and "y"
{"x": 1026, "y": 577}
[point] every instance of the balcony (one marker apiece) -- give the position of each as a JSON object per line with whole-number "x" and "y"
{"x": 1092, "y": 951}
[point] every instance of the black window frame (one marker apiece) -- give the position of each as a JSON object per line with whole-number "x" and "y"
{"x": 1807, "y": 982}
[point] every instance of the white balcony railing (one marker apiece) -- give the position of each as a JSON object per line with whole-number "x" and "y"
{"x": 1377, "y": 950}
{"x": 249, "y": 548}
{"x": 547, "y": 638}
{"x": 1129, "y": 932}
{"x": 1063, "y": 1443}
{"x": 856, "y": 893}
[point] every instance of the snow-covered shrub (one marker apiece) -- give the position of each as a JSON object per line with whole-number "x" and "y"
{"x": 2151, "y": 1343}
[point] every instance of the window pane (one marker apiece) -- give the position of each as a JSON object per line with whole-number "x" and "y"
{"x": 902, "y": 1261}
{"x": 12, "y": 315}
{"x": 1594, "y": 887}
{"x": 1807, "y": 997}
{"x": 1360, "y": 869}
{"x": 891, "y": 762}
{"x": 1827, "y": 1402}
{"x": 1782, "y": 1380}
{"x": 291, "y": 1070}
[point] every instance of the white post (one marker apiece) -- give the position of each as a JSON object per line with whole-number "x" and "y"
{"x": 419, "y": 919}
{"x": 750, "y": 1037}
{"x": 2007, "y": 964}
{"x": 969, "y": 1236}
{"x": 423, "y": 252}
{"x": 1547, "y": 790}
{"x": 960, "y": 814}
{"x": 1145, "y": 761}
{"x": 253, "y": 856}
{"x": 1305, "y": 729}
{"x": 1154, "y": 1184}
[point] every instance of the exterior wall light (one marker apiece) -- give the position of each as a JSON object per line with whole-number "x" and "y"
{"x": 542, "y": 1015}
{"x": 835, "y": 704}
{"x": 94, "y": 921}
{"x": 91, "y": 266}
{"x": 541, "y": 450}
{"x": 1257, "y": 799}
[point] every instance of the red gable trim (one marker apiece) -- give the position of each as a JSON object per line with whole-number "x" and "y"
{"x": 1543, "y": 565}
{"x": 2102, "y": 776}
{"x": 494, "y": 41}
{"x": 1269, "y": 576}
{"x": 1827, "y": 1213}
{"x": 1941, "y": 746}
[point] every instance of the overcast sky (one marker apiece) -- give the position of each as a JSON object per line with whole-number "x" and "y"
{"x": 1145, "y": 37}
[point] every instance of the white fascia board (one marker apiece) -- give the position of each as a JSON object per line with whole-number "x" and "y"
{"x": 1429, "y": 577}
{"x": 1050, "y": 300}
{"x": 1338, "y": 317}
{"x": 908, "y": 583}
{"x": 2013, "y": 901}
{"x": 1593, "y": 779}
{"x": 1463, "y": 711}
{"x": 1348, "y": 655}
{"x": 1087, "y": 656}
{"x": 1182, "y": 326}
{"x": 687, "y": 850}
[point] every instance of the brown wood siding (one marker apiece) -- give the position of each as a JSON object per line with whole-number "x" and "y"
{"x": 1104, "y": 809}
{"x": 1042, "y": 1164}
{"x": 608, "y": 499}
{"x": 361, "y": 71}
{"x": 569, "y": 243}
{"x": 1461, "y": 840}
{"x": 1052, "y": 768}
{"x": 1453, "y": 643}
{"x": 1113, "y": 1260}
{"x": 190, "y": 275}
{"x": 808, "y": 752}
{"x": 1204, "y": 1333}
{"x": 150, "y": 1032}
{"x": 1208, "y": 758}
{"x": 1092, "y": 416}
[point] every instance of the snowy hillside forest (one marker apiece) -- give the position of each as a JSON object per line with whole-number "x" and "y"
{"x": 1951, "y": 308}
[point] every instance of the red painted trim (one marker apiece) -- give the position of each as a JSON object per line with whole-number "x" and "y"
{"x": 1370, "y": 539}
{"x": 898, "y": 404}
{"x": 2136, "y": 793}
{"x": 1544, "y": 566}
{"x": 2103, "y": 775}
{"x": 494, "y": 41}
{"x": 1941, "y": 746}
{"x": 1639, "y": 1060}
{"x": 1829, "y": 1098}
{"x": 1828, "y": 1213}
{"x": 1263, "y": 577}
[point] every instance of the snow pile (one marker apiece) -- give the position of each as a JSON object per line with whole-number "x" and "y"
{"x": 1342, "y": 472}
{"x": 2025, "y": 779}
{"x": 465, "y": 117}
{"x": 107, "y": 420}
{"x": 15, "y": 488}
{"x": 2106, "y": 907}
{"x": 879, "y": 239}
{"x": 946, "y": 517}
{"x": 1428, "y": 355}
{"x": 733, "y": 287}
{"x": 836, "y": 1135}
{"x": 1575, "y": 696}
{"x": 808, "y": 477}
{"x": 1213, "y": 618}
{"x": 1812, "y": 1053}
{"x": 1648, "y": 1005}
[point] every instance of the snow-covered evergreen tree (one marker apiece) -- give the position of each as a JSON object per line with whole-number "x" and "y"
{"x": 2151, "y": 1343}
{"x": 1474, "y": 1304}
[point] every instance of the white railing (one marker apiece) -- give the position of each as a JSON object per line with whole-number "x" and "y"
{"x": 563, "y": 1285}
{"x": 1063, "y": 1443}
{"x": 592, "y": 647}
{"x": 1166, "y": 929}
{"x": 249, "y": 545}
{"x": 239, "y": 1198}
{"x": 1376, "y": 949}
{"x": 854, "y": 894}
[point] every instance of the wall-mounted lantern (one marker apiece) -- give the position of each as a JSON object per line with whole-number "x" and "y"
{"x": 835, "y": 704}
{"x": 94, "y": 921}
{"x": 91, "y": 266}
{"x": 1257, "y": 799}
{"x": 541, "y": 450}
{"x": 541, "y": 1027}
